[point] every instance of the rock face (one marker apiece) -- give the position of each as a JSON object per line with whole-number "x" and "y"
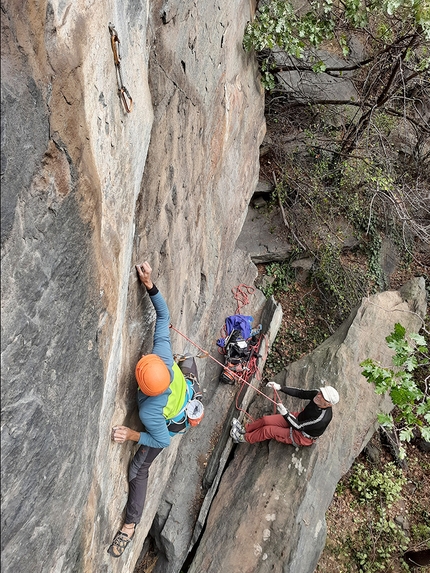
{"x": 83, "y": 200}
{"x": 88, "y": 190}
{"x": 204, "y": 455}
{"x": 272, "y": 498}
{"x": 259, "y": 239}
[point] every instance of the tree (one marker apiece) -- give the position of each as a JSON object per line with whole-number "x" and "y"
{"x": 396, "y": 34}
{"x": 364, "y": 160}
{"x": 409, "y": 394}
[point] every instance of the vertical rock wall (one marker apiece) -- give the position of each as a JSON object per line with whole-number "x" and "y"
{"x": 87, "y": 191}
{"x": 82, "y": 200}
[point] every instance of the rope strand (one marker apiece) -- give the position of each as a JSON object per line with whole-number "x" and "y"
{"x": 206, "y": 353}
{"x": 251, "y": 370}
{"x": 240, "y": 294}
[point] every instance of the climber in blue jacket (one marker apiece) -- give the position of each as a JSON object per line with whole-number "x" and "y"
{"x": 155, "y": 373}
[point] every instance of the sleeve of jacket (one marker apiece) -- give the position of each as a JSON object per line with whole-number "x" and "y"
{"x": 156, "y": 435}
{"x": 306, "y": 424}
{"x": 299, "y": 393}
{"x": 162, "y": 346}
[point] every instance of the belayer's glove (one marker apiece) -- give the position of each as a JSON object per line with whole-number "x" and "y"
{"x": 281, "y": 409}
{"x": 273, "y": 385}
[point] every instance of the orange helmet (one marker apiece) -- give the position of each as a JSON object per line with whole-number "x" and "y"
{"x": 152, "y": 375}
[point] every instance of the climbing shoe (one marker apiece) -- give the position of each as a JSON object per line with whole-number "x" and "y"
{"x": 235, "y": 424}
{"x": 237, "y": 437}
{"x": 119, "y": 544}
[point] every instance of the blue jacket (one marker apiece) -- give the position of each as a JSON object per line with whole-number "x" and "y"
{"x": 151, "y": 407}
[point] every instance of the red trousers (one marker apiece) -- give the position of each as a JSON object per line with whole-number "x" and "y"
{"x": 275, "y": 427}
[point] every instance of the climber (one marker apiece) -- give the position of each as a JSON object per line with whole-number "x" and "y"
{"x": 162, "y": 388}
{"x": 298, "y": 429}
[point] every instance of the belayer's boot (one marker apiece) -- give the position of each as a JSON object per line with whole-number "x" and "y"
{"x": 235, "y": 424}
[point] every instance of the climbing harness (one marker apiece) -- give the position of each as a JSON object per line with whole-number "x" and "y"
{"x": 122, "y": 90}
{"x": 178, "y": 420}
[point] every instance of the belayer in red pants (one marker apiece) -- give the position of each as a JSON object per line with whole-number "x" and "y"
{"x": 296, "y": 428}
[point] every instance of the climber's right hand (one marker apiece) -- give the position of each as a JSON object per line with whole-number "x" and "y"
{"x": 144, "y": 271}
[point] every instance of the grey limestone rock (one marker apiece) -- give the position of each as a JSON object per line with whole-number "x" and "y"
{"x": 89, "y": 190}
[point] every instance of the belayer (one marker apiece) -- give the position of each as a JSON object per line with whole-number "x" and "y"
{"x": 162, "y": 397}
{"x": 296, "y": 428}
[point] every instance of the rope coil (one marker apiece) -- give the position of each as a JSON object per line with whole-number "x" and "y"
{"x": 240, "y": 294}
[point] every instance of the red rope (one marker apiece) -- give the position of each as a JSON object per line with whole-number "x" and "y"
{"x": 277, "y": 398}
{"x": 240, "y": 293}
{"x": 251, "y": 370}
{"x": 233, "y": 374}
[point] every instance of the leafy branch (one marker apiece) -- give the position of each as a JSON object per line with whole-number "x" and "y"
{"x": 397, "y": 38}
{"x": 410, "y": 398}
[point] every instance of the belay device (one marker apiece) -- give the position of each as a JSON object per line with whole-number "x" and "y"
{"x": 240, "y": 349}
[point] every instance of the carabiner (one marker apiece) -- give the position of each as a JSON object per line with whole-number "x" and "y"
{"x": 126, "y": 98}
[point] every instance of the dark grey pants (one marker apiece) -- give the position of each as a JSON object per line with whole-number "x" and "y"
{"x": 138, "y": 482}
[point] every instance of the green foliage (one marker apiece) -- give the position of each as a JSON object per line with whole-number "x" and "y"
{"x": 385, "y": 123}
{"x": 368, "y": 174}
{"x": 283, "y": 275}
{"x": 293, "y": 341}
{"x": 367, "y": 190}
{"x": 412, "y": 403}
{"x": 375, "y": 486}
{"x": 418, "y": 10}
{"x": 278, "y": 25}
{"x": 378, "y": 539}
{"x": 342, "y": 285}
{"x": 372, "y": 540}
{"x": 421, "y": 532}
{"x": 375, "y": 272}
{"x": 376, "y": 543}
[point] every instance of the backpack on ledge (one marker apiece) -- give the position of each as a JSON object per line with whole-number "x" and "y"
{"x": 240, "y": 349}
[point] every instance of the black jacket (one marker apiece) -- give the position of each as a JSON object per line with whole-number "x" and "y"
{"x": 313, "y": 420}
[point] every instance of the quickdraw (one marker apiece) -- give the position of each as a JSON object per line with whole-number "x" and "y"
{"x": 123, "y": 92}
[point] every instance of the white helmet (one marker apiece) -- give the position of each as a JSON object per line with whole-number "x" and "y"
{"x": 330, "y": 394}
